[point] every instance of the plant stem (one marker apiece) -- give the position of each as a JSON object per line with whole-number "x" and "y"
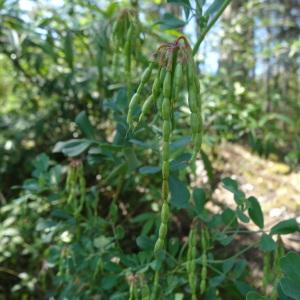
{"x": 209, "y": 26}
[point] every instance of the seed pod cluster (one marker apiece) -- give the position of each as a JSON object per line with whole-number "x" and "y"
{"x": 175, "y": 65}
{"x": 75, "y": 186}
{"x": 195, "y": 107}
{"x": 191, "y": 262}
{"x": 136, "y": 98}
{"x": 125, "y": 38}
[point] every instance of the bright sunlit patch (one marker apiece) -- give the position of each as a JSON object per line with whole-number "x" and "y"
{"x": 66, "y": 237}
{"x": 8, "y": 145}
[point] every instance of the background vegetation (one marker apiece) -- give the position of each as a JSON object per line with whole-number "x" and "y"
{"x": 80, "y": 195}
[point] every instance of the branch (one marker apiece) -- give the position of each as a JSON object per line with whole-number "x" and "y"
{"x": 209, "y": 26}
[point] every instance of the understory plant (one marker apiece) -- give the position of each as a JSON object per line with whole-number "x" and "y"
{"x": 121, "y": 217}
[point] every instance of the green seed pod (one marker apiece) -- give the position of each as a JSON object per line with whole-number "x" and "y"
{"x": 131, "y": 294}
{"x": 70, "y": 179}
{"x": 158, "y": 246}
{"x": 145, "y": 291}
{"x": 178, "y": 78}
{"x": 195, "y": 124}
{"x": 115, "y": 28}
{"x": 166, "y": 109}
{"x": 192, "y": 74}
{"x": 162, "y": 76}
{"x": 156, "y": 85}
{"x": 195, "y": 107}
{"x": 203, "y": 262}
{"x": 197, "y": 146}
{"x": 145, "y": 78}
{"x": 166, "y": 130}
{"x": 165, "y": 190}
{"x": 279, "y": 252}
{"x": 197, "y": 84}
{"x": 167, "y": 85}
{"x": 159, "y": 104}
{"x": 155, "y": 286}
{"x": 146, "y": 107}
{"x": 190, "y": 71}
{"x": 191, "y": 263}
{"x": 132, "y": 105}
{"x": 82, "y": 189}
{"x": 165, "y": 151}
{"x": 163, "y": 231}
{"x": 136, "y": 98}
{"x": 147, "y": 73}
{"x": 128, "y": 49}
{"x": 165, "y": 170}
{"x": 165, "y": 212}
{"x": 193, "y": 99}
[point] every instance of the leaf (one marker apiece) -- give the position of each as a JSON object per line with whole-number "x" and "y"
{"x": 144, "y": 242}
{"x": 211, "y": 294}
{"x": 285, "y": 227}
{"x": 141, "y": 218}
{"x": 199, "y": 199}
{"x": 180, "y": 194}
{"x": 228, "y": 264}
{"x": 281, "y": 294}
{"x": 214, "y": 7}
{"x": 229, "y": 218}
{"x": 254, "y": 296}
{"x": 290, "y": 288}
{"x": 266, "y": 243}
{"x": 255, "y": 212}
{"x": 290, "y": 283}
{"x": 131, "y": 158}
{"x": 222, "y": 238}
{"x": 242, "y": 216}
{"x": 169, "y": 21}
{"x": 290, "y": 266}
{"x": 180, "y": 162}
{"x": 243, "y": 287}
{"x": 109, "y": 281}
{"x": 239, "y": 197}
{"x": 230, "y": 184}
{"x": 180, "y": 143}
{"x": 239, "y": 268}
{"x": 216, "y": 281}
{"x": 84, "y": 124}
{"x": 102, "y": 242}
{"x": 41, "y": 163}
{"x": 73, "y": 147}
{"x": 149, "y": 169}
{"x": 184, "y": 3}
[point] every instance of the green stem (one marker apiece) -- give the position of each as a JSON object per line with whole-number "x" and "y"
{"x": 209, "y": 26}
{"x": 220, "y": 261}
{"x": 155, "y": 286}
